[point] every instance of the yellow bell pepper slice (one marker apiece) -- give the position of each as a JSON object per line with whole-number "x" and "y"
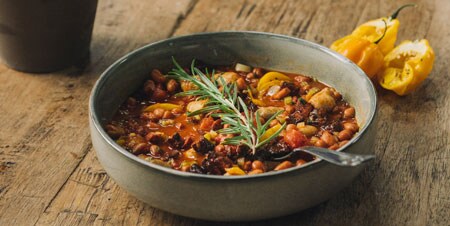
{"x": 407, "y": 66}
{"x": 269, "y": 77}
{"x": 270, "y": 131}
{"x": 264, "y": 87}
{"x": 165, "y": 106}
{"x": 258, "y": 102}
{"x": 374, "y": 29}
{"x": 235, "y": 170}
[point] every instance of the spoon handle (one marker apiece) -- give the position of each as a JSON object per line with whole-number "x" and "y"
{"x": 335, "y": 157}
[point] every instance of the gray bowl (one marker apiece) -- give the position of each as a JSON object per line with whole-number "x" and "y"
{"x": 226, "y": 198}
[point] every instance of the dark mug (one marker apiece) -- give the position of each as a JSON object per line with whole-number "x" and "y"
{"x": 45, "y": 35}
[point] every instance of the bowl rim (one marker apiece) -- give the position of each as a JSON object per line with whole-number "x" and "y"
{"x": 94, "y": 119}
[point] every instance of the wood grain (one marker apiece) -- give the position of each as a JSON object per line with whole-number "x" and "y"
{"x": 49, "y": 174}
{"x": 44, "y": 133}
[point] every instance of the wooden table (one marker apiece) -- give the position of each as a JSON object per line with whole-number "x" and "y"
{"x": 49, "y": 173}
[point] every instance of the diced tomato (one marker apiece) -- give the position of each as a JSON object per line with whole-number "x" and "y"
{"x": 206, "y": 124}
{"x": 295, "y": 138}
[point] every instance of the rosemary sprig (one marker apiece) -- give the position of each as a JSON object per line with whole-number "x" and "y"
{"x": 228, "y": 106}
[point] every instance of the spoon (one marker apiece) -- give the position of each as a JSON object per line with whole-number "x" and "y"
{"x": 334, "y": 157}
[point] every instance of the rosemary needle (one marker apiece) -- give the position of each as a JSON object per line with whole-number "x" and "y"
{"x": 228, "y": 106}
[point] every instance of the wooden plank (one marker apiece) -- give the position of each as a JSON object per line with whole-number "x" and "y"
{"x": 44, "y": 133}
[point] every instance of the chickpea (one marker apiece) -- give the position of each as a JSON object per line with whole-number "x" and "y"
{"x": 328, "y": 138}
{"x": 241, "y": 85}
{"x": 349, "y": 113}
{"x": 255, "y": 171}
{"x": 167, "y": 115}
{"x": 172, "y": 86}
{"x": 300, "y": 162}
{"x": 157, "y": 76}
{"x": 158, "y": 112}
{"x": 320, "y": 143}
{"x": 258, "y": 165}
{"x": 351, "y": 126}
{"x": 291, "y": 127}
{"x": 284, "y": 165}
{"x": 281, "y": 94}
{"x": 308, "y": 130}
{"x": 345, "y": 134}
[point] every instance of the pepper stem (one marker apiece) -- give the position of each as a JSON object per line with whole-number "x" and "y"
{"x": 384, "y": 33}
{"x": 395, "y": 14}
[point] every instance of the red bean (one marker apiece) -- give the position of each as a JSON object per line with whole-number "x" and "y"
{"x": 300, "y": 162}
{"x": 241, "y": 84}
{"x": 159, "y": 112}
{"x": 149, "y": 87}
{"x": 342, "y": 143}
{"x": 258, "y": 72}
{"x": 351, "y": 126}
{"x": 320, "y": 143}
{"x": 172, "y": 86}
{"x": 334, "y": 146}
{"x": 256, "y": 171}
{"x": 159, "y": 94}
{"x": 157, "y": 76}
{"x": 289, "y": 109}
{"x": 284, "y": 165}
{"x": 167, "y": 115}
{"x": 291, "y": 127}
{"x": 250, "y": 76}
{"x": 328, "y": 138}
{"x": 349, "y": 113}
{"x": 258, "y": 165}
{"x": 345, "y": 134}
{"x": 115, "y": 131}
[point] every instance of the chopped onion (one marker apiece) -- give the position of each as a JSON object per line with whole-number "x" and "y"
{"x": 272, "y": 90}
{"x": 242, "y": 67}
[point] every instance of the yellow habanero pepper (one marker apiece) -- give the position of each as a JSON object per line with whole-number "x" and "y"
{"x": 407, "y": 65}
{"x": 373, "y": 29}
{"x": 364, "y": 53}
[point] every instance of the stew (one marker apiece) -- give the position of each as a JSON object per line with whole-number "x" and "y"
{"x": 234, "y": 123}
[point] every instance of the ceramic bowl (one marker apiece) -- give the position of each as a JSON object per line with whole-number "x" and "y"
{"x": 231, "y": 198}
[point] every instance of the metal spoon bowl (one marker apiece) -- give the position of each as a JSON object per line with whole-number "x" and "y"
{"x": 334, "y": 157}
